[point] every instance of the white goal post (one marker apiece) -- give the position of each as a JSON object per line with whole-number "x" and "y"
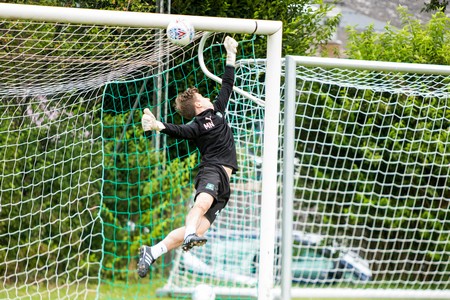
{"x": 273, "y": 30}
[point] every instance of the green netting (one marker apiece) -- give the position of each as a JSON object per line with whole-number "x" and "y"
{"x": 148, "y": 183}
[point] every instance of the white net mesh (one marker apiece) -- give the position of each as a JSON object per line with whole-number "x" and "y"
{"x": 53, "y": 77}
{"x": 371, "y": 180}
{"x": 40, "y": 58}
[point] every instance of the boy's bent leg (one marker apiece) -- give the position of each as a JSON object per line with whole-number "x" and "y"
{"x": 195, "y": 219}
{"x": 175, "y": 238}
{"x": 202, "y": 204}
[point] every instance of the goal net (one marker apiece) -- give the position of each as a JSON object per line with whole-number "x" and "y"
{"x": 371, "y": 177}
{"x": 82, "y": 188}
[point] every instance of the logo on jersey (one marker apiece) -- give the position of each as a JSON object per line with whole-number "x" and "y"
{"x": 218, "y": 212}
{"x": 210, "y": 186}
{"x": 209, "y": 124}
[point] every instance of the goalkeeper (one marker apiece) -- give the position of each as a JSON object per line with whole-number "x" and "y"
{"x": 213, "y": 137}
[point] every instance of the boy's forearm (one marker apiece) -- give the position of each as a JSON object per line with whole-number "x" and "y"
{"x": 228, "y": 76}
{"x": 179, "y": 131}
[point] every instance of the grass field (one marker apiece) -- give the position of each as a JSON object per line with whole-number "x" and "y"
{"x": 106, "y": 291}
{"x": 109, "y": 291}
{"x": 113, "y": 292}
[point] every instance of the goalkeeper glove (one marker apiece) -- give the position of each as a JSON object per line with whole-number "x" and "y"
{"x": 230, "y": 45}
{"x": 149, "y": 121}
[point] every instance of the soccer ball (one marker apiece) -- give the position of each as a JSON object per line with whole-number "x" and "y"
{"x": 203, "y": 292}
{"x": 180, "y": 32}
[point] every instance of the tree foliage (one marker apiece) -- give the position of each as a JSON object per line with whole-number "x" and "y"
{"x": 400, "y": 151}
{"x": 435, "y": 5}
{"x": 413, "y": 43}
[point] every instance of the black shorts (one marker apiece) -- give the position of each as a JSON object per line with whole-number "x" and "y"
{"x": 213, "y": 180}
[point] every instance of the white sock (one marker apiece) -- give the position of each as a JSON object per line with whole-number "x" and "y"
{"x": 158, "y": 250}
{"x": 189, "y": 230}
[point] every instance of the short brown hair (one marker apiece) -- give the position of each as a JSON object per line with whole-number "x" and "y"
{"x": 184, "y": 103}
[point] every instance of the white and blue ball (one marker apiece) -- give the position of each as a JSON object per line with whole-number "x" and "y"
{"x": 180, "y": 32}
{"x": 203, "y": 292}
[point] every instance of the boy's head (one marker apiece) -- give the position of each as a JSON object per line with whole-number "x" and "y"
{"x": 190, "y": 103}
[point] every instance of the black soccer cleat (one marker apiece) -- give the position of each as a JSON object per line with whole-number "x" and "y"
{"x": 193, "y": 240}
{"x": 145, "y": 261}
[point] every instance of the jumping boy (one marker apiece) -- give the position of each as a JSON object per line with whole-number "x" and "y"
{"x": 212, "y": 135}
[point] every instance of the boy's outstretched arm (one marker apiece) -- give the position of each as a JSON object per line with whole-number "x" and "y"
{"x": 220, "y": 104}
{"x": 149, "y": 123}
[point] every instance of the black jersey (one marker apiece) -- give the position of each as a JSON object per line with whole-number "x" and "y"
{"x": 210, "y": 131}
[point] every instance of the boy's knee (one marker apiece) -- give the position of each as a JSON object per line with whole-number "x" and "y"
{"x": 204, "y": 201}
